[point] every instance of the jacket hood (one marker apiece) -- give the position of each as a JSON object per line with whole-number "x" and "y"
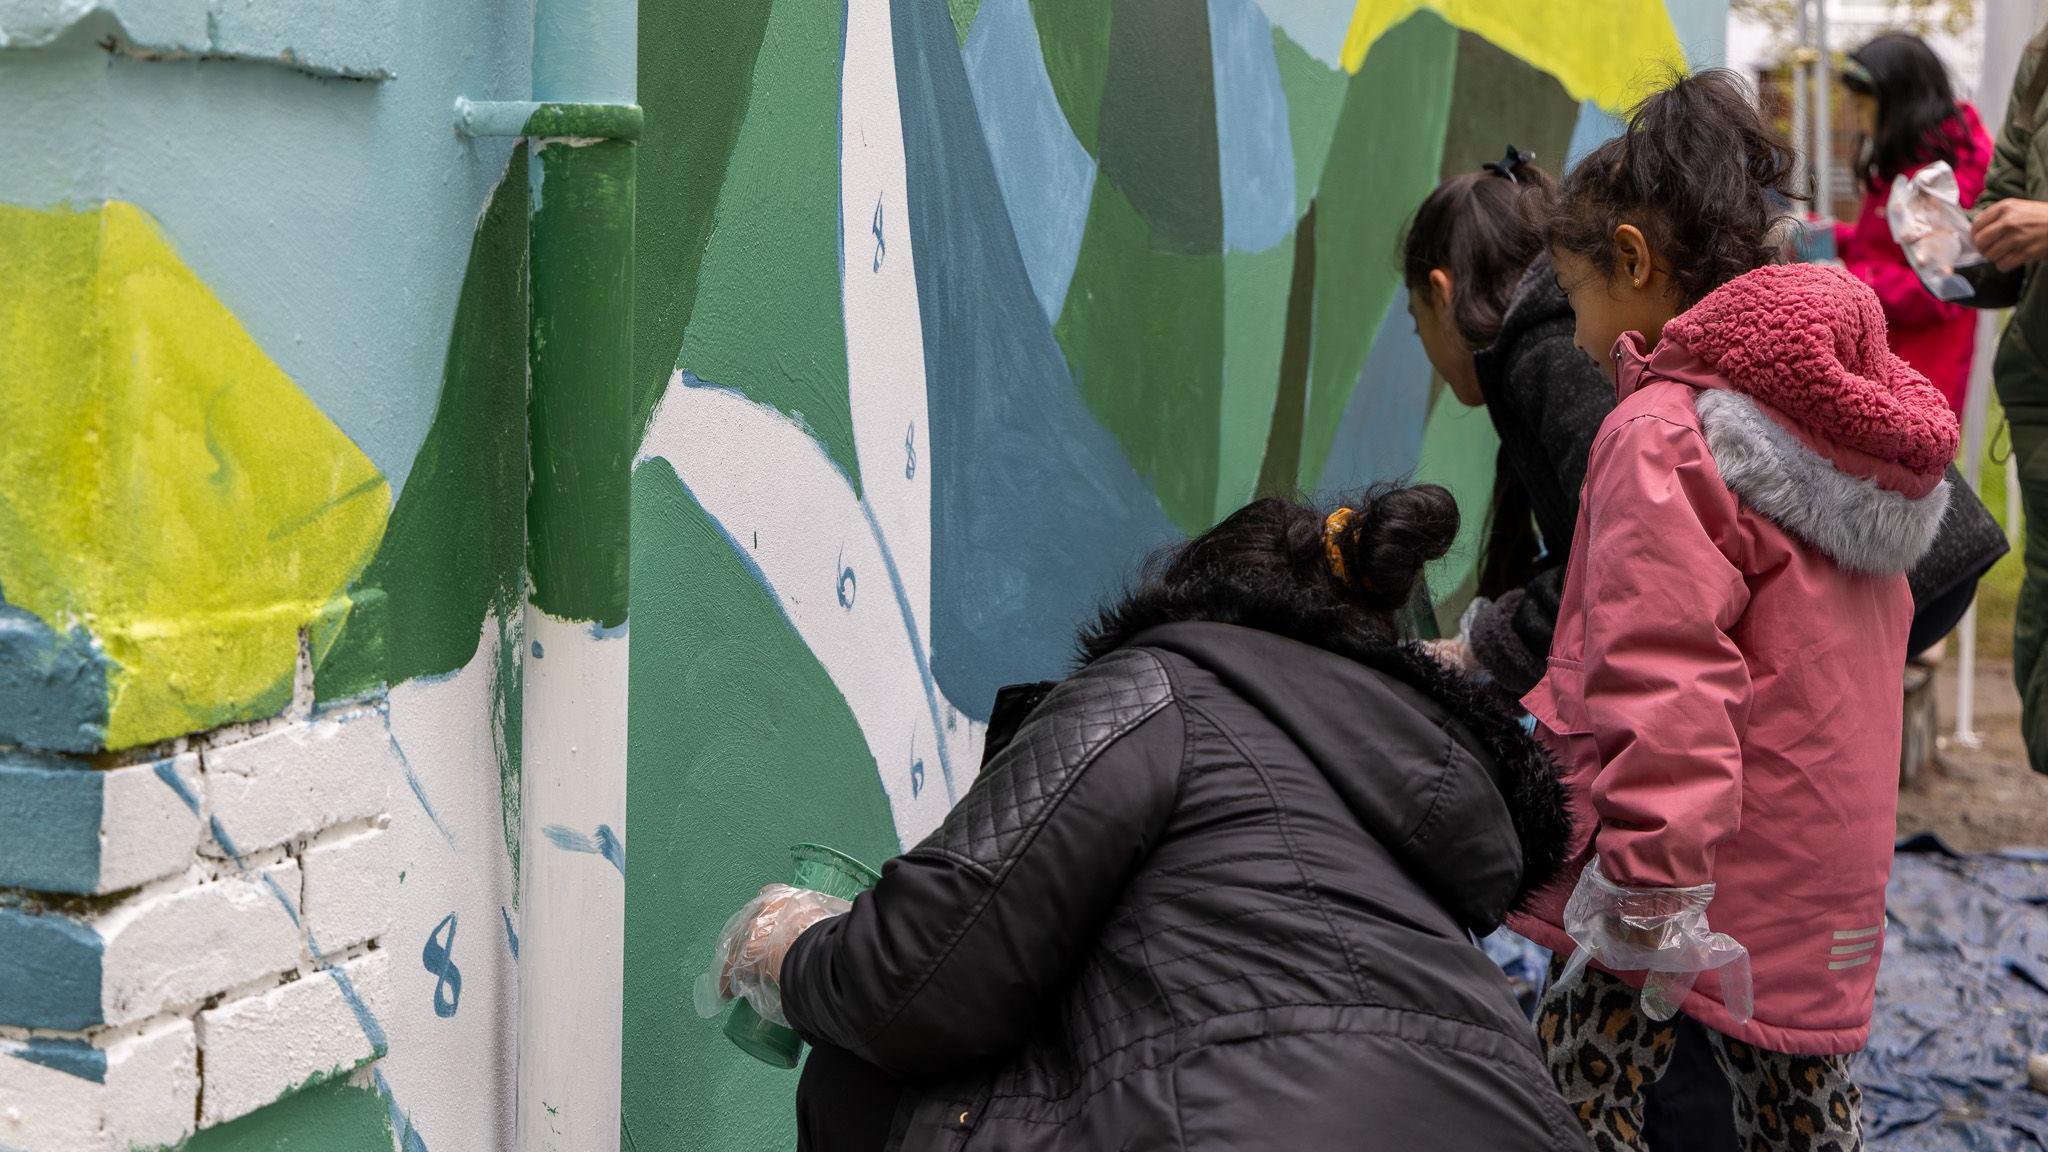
{"x": 1812, "y": 421}
{"x": 1443, "y": 777}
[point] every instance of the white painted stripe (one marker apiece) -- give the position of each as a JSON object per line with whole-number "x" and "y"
{"x": 1852, "y": 949}
{"x": 1840, "y": 964}
{"x": 1859, "y": 933}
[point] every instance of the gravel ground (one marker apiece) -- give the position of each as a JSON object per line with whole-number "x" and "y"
{"x": 1979, "y": 799}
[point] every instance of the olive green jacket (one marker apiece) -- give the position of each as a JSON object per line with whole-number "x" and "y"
{"x": 2019, "y": 170}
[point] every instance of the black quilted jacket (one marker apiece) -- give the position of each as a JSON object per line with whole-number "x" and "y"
{"x": 1213, "y": 895}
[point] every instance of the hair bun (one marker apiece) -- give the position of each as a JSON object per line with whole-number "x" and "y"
{"x": 1395, "y": 534}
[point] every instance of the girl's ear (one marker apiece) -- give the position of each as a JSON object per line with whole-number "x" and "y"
{"x": 1632, "y": 256}
{"x": 1440, "y": 291}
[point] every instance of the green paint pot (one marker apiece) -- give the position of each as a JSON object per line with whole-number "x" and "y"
{"x": 819, "y": 869}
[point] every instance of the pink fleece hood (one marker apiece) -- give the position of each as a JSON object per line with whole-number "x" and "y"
{"x": 1812, "y": 420}
{"x": 1810, "y": 342}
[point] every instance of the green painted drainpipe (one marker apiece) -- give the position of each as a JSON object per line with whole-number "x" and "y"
{"x": 583, "y": 123}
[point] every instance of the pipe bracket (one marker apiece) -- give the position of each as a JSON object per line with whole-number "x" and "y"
{"x": 547, "y": 118}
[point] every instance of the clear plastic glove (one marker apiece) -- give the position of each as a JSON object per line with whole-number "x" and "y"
{"x": 1659, "y": 931}
{"x": 746, "y": 962}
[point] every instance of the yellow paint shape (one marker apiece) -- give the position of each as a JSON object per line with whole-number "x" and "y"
{"x": 1613, "y": 52}
{"x": 162, "y": 482}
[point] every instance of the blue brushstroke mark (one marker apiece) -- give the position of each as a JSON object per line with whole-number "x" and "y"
{"x": 924, "y": 665}
{"x": 372, "y": 1030}
{"x": 220, "y": 837}
{"x": 848, "y": 585}
{"x": 600, "y": 632}
{"x": 1011, "y": 578}
{"x": 71, "y": 1057}
{"x": 50, "y": 825}
{"x": 227, "y": 845}
{"x": 409, "y": 1139}
{"x": 53, "y": 685}
{"x": 605, "y": 843}
{"x": 1045, "y": 175}
{"x": 438, "y": 957}
{"x": 1702, "y": 27}
{"x": 412, "y": 779}
{"x": 283, "y": 900}
{"x": 49, "y": 971}
{"x": 1379, "y": 436}
{"x": 167, "y": 771}
{"x": 1594, "y": 128}
{"x": 1255, "y": 147}
{"x": 511, "y": 934}
{"x": 910, "y": 452}
{"x": 1319, "y": 26}
{"x": 881, "y": 244}
{"x": 536, "y": 650}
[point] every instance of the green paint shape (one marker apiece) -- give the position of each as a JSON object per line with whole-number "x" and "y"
{"x": 1290, "y": 400}
{"x": 334, "y": 1116}
{"x": 1143, "y": 333}
{"x": 740, "y": 746}
{"x": 964, "y": 12}
{"x": 1073, "y": 35}
{"x": 1315, "y": 96}
{"x": 508, "y": 679}
{"x": 580, "y": 407}
{"x": 1158, "y": 135}
{"x": 1497, "y": 100}
{"x": 1388, "y": 146}
{"x": 1458, "y": 450}
{"x": 454, "y": 550}
{"x": 696, "y": 76}
{"x": 1255, "y": 294}
{"x": 769, "y": 320}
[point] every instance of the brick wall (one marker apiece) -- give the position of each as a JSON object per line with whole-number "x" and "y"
{"x": 189, "y": 935}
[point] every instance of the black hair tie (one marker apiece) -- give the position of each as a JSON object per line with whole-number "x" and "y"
{"x": 1511, "y": 163}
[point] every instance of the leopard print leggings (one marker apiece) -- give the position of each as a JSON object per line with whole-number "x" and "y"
{"x": 1603, "y": 1051}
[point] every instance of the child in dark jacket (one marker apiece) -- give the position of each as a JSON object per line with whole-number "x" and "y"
{"x": 1497, "y": 329}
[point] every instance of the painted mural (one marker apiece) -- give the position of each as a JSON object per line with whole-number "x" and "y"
{"x": 945, "y": 313}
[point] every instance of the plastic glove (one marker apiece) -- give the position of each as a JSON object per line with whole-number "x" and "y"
{"x": 747, "y": 959}
{"x": 1926, "y": 217}
{"x": 1659, "y": 931}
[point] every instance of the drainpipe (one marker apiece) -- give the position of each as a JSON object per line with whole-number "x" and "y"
{"x": 582, "y": 122}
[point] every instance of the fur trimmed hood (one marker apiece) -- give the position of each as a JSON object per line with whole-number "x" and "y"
{"x": 1812, "y": 421}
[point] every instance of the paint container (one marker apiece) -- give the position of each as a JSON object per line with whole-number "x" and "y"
{"x": 819, "y": 869}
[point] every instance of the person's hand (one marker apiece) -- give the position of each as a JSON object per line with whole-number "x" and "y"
{"x": 2012, "y": 232}
{"x": 1453, "y": 653}
{"x": 747, "y": 959}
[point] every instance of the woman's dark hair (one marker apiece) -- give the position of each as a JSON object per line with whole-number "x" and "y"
{"x": 1267, "y": 567}
{"x": 1484, "y": 228}
{"x": 1917, "y": 118}
{"x": 1696, "y": 171}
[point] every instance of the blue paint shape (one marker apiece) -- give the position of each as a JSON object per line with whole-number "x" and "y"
{"x": 1594, "y": 127}
{"x": 910, "y": 453}
{"x": 1254, "y": 146}
{"x": 881, "y": 241}
{"x": 71, "y": 1057}
{"x": 1045, "y": 175}
{"x": 221, "y": 838}
{"x": 291, "y": 910}
{"x": 1380, "y": 434}
{"x": 924, "y": 666}
{"x": 511, "y": 933}
{"x": 1702, "y": 27}
{"x": 49, "y": 971}
{"x": 53, "y": 685}
{"x": 848, "y": 585}
{"x": 1036, "y": 512}
{"x": 401, "y": 1121}
{"x": 50, "y": 826}
{"x": 438, "y": 956}
{"x": 612, "y": 632}
{"x": 167, "y": 771}
{"x": 412, "y": 780}
{"x": 604, "y": 843}
{"x": 537, "y": 650}
{"x": 1319, "y": 26}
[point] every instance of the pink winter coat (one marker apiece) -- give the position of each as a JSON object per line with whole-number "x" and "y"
{"x": 1724, "y": 684}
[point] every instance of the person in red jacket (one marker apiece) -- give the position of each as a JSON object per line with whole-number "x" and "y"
{"x": 1910, "y": 118}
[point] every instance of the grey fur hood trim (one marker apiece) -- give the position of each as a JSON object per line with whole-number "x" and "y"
{"x": 1861, "y": 525}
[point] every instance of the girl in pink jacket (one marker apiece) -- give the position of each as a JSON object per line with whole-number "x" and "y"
{"x": 1723, "y": 686}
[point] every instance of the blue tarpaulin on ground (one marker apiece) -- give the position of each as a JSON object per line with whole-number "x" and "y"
{"x": 1962, "y": 1000}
